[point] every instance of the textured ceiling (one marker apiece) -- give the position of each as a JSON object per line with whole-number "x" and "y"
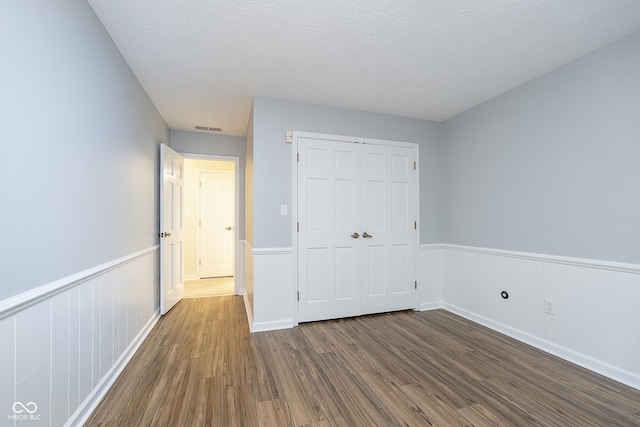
{"x": 202, "y": 61}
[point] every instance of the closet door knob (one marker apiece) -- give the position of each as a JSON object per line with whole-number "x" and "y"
{"x": 366, "y": 235}
{"x": 355, "y": 235}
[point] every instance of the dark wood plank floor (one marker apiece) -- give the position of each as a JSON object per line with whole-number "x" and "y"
{"x": 200, "y": 366}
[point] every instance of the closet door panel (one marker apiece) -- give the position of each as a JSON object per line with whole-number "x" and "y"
{"x": 328, "y": 212}
{"x": 388, "y": 264}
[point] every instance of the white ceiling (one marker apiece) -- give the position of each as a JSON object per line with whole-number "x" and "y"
{"x": 202, "y": 61}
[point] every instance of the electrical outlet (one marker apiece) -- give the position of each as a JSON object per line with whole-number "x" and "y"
{"x": 549, "y": 306}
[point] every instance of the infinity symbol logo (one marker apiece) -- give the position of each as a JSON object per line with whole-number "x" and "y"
{"x": 20, "y": 407}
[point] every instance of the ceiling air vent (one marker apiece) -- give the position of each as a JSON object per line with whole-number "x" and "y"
{"x": 207, "y": 128}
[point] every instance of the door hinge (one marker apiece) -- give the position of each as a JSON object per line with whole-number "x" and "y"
{"x": 199, "y": 262}
{"x": 298, "y": 227}
{"x": 298, "y": 157}
{"x": 200, "y": 223}
{"x": 414, "y": 165}
{"x": 415, "y": 225}
{"x": 200, "y": 183}
{"x": 415, "y": 285}
{"x": 298, "y": 296}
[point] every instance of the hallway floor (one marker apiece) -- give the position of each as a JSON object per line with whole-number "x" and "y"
{"x": 212, "y": 287}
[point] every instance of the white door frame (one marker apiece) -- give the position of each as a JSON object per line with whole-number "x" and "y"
{"x": 236, "y": 235}
{"x": 294, "y": 200}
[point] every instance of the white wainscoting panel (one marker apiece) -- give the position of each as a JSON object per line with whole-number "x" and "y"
{"x": 596, "y": 323}
{"x": 248, "y": 283}
{"x": 239, "y": 279}
{"x": 474, "y": 282}
{"x": 7, "y": 366}
{"x": 65, "y": 350}
{"x": 272, "y": 289}
{"x": 430, "y": 281}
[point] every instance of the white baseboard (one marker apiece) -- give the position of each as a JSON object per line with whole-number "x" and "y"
{"x": 579, "y": 359}
{"x": 247, "y": 308}
{"x": 272, "y": 326}
{"x": 84, "y": 411}
{"x": 426, "y": 306}
{"x": 271, "y": 251}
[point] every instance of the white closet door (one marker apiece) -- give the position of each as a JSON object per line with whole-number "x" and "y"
{"x": 329, "y": 214}
{"x": 389, "y": 255}
{"x": 357, "y": 243}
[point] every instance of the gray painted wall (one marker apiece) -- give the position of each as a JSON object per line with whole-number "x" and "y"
{"x": 272, "y": 160}
{"x": 553, "y": 166}
{"x": 80, "y": 138}
{"x": 218, "y": 145}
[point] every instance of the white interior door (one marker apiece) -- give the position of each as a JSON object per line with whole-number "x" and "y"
{"x": 390, "y": 243}
{"x": 217, "y": 223}
{"x": 171, "y": 229}
{"x": 329, "y": 211}
{"x": 357, "y": 242}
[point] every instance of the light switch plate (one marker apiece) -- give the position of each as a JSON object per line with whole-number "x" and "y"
{"x": 283, "y": 210}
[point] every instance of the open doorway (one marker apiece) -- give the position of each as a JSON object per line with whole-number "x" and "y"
{"x": 210, "y": 226}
